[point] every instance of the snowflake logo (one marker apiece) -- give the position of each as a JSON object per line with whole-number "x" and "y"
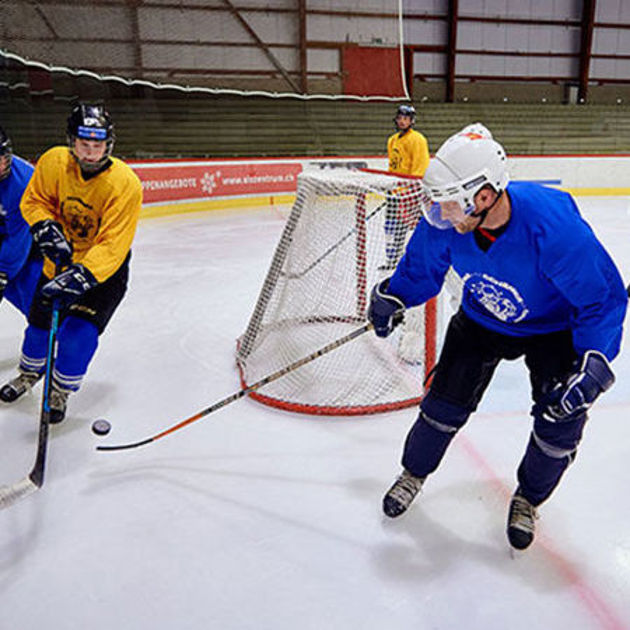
{"x": 208, "y": 182}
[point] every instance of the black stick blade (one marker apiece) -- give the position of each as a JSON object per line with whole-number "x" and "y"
{"x": 124, "y": 447}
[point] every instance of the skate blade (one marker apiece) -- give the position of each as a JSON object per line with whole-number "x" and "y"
{"x": 515, "y": 553}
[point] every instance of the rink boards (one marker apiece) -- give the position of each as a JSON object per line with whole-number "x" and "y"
{"x": 182, "y": 186}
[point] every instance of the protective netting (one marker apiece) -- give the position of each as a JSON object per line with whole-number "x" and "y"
{"x": 346, "y": 231}
{"x": 198, "y": 47}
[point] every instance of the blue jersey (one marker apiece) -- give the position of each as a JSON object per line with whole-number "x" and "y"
{"x": 15, "y": 237}
{"x": 546, "y": 272}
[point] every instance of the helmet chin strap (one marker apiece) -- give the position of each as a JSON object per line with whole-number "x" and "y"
{"x": 484, "y": 213}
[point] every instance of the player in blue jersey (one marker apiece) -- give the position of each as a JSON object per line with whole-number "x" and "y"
{"x": 20, "y": 265}
{"x": 536, "y": 284}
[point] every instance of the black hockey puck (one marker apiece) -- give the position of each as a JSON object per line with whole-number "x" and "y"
{"x": 101, "y": 427}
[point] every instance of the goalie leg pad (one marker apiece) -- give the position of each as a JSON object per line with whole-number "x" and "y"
{"x": 426, "y": 443}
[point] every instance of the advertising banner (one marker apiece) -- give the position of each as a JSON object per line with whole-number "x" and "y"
{"x": 190, "y": 181}
{"x": 193, "y": 185}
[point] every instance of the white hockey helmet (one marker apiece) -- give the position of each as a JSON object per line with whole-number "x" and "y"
{"x": 467, "y": 162}
{"x": 478, "y": 129}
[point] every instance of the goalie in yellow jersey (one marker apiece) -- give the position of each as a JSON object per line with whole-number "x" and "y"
{"x": 408, "y": 154}
{"x": 82, "y": 205}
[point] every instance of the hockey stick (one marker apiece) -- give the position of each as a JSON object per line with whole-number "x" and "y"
{"x": 243, "y": 392}
{"x": 332, "y": 248}
{"x": 35, "y": 479}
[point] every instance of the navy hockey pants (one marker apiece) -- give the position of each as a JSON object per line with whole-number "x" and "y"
{"x": 467, "y": 363}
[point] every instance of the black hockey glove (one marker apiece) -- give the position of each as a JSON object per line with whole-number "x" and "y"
{"x": 69, "y": 285}
{"x": 4, "y": 280}
{"x": 386, "y": 311}
{"x": 49, "y": 237}
{"x": 567, "y": 400}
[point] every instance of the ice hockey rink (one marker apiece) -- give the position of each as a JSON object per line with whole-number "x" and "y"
{"x": 255, "y": 518}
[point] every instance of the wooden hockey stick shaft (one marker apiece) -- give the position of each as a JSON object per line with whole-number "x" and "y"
{"x": 243, "y": 392}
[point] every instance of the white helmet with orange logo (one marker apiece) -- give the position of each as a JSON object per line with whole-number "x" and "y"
{"x": 467, "y": 162}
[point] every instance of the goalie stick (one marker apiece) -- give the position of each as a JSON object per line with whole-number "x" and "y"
{"x": 10, "y": 494}
{"x": 243, "y": 392}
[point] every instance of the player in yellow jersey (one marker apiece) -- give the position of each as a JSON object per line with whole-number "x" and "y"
{"x": 408, "y": 154}
{"x": 407, "y": 149}
{"x": 82, "y": 205}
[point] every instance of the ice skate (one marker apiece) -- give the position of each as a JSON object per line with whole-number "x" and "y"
{"x": 18, "y": 386}
{"x": 521, "y": 522}
{"x": 57, "y": 403}
{"x": 401, "y": 494}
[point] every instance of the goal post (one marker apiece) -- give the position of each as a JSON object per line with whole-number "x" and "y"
{"x": 346, "y": 231}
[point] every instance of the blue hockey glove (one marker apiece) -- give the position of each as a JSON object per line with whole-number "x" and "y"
{"x": 567, "y": 400}
{"x": 49, "y": 237}
{"x": 69, "y": 285}
{"x": 386, "y": 311}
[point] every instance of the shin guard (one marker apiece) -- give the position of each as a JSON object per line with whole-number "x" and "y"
{"x": 551, "y": 448}
{"x": 78, "y": 340}
{"x": 426, "y": 443}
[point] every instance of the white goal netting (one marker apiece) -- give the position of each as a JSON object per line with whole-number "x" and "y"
{"x": 346, "y": 231}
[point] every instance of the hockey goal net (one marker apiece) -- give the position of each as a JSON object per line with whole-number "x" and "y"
{"x": 346, "y": 231}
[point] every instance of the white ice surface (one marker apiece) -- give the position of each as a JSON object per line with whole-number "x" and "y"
{"x": 253, "y": 518}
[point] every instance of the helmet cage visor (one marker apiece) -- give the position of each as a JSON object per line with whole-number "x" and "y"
{"x": 446, "y": 206}
{"x": 96, "y": 134}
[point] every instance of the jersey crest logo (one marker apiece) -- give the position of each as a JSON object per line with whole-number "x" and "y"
{"x": 79, "y": 219}
{"x": 499, "y": 298}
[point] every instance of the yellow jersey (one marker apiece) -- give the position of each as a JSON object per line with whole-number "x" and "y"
{"x": 99, "y": 215}
{"x": 408, "y": 153}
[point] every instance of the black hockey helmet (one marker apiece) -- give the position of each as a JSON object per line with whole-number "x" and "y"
{"x": 90, "y": 122}
{"x": 406, "y": 110}
{"x": 6, "y": 151}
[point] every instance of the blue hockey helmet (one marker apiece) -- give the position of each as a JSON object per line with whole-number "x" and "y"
{"x": 406, "y": 110}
